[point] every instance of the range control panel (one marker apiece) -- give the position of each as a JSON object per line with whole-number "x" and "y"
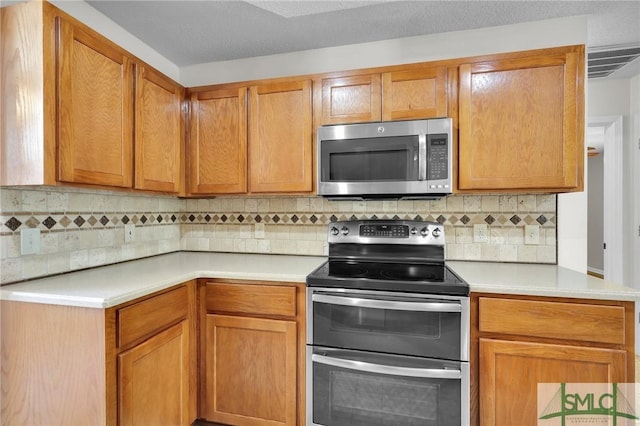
{"x": 386, "y": 232}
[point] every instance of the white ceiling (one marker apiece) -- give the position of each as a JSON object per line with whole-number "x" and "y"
{"x": 194, "y": 32}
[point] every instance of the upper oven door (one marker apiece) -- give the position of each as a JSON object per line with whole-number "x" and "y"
{"x": 394, "y": 323}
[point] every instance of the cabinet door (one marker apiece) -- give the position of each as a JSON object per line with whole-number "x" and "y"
{"x": 354, "y": 99}
{"x": 250, "y": 371}
{"x": 95, "y": 109}
{"x": 153, "y": 380}
{"x": 510, "y": 373}
{"x": 218, "y": 142}
{"x": 521, "y": 123}
{"x": 158, "y": 137}
{"x": 414, "y": 94}
{"x": 280, "y": 138}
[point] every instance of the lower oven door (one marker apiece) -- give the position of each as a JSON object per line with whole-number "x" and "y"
{"x": 354, "y": 388}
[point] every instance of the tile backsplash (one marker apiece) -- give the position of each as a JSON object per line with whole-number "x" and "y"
{"x": 85, "y": 228}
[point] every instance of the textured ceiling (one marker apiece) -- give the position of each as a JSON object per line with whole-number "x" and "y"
{"x": 193, "y": 32}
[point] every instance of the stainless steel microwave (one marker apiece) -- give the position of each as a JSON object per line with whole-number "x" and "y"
{"x": 395, "y": 159}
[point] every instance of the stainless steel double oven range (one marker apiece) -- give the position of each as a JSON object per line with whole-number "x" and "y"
{"x": 387, "y": 329}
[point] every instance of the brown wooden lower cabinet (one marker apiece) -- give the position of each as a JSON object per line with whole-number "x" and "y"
{"x": 252, "y": 353}
{"x": 153, "y": 380}
{"x": 518, "y": 342}
{"x": 130, "y": 364}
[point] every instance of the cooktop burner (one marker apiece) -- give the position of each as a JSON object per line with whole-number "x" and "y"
{"x": 402, "y": 256}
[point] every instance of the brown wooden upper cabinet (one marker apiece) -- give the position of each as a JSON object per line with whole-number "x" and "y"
{"x": 394, "y": 95}
{"x": 255, "y": 139}
{"x": 91, "y": 111}
{"x": 158, "y": 132}
{"x": 95, "y": 109}
{"x": 218, "y": 141}
{"x": 521, "y": 121}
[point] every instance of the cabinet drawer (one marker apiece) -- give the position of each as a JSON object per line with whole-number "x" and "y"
{"x": 251, "y": 299}
{"x": 550, "y": 319}
{"x": 151, "y": 316}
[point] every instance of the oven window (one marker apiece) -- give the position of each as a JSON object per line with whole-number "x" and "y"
{"x": 354, "y": 398}
{"x": 428, "y": 334}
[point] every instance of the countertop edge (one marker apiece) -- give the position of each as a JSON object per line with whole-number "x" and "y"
{"x": 483, "y": 277}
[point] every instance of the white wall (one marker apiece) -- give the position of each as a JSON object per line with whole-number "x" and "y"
{"x": 457, "y": 44}
{"x": 614, "y": 98}
{"x": 105, "y": 26}
{"x": 635, "y": 191}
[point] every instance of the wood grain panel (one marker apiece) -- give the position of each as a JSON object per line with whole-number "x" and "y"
{"x": 414, "y": 94}
{"x": 147, "y": 317}
{"x": 353, "y": 99}
{"x": 158, "y": 132}
{"x": 154, "y": 380}
{"x": 556, "y": 320}
{"x": 52, "y": 365}
{"x": 280, "y": 138}
{"x": 27, "y": 97}
{"x": 218, "y": 142}
{"x": 251, "y": 374}
{"x": 510, "y": 373}
{"x": 251, "y": 299}
{"x": 95, "y": 104}
{"x": 519, "y": 121}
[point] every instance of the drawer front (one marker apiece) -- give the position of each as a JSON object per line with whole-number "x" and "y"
{"x": 550, "y": 319}
{"x": 251, "y": 299}
{"x": 150, "y": 316}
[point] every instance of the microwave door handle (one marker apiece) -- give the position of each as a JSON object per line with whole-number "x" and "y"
{"x": 387, "y": 304}
{"x": 422, "y": 157}
{"x": 431, "y": 373}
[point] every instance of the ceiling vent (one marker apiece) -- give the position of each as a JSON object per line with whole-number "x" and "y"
{"x": 604, "y": 61}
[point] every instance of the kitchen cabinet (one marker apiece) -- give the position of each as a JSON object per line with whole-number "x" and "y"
{"x": 77, "y": 108}
{"x": 218, "y": 141}
{"x": 159, "y": 136}
{"x": 521, "y": 121}
{"x": 350, "y": 99}
{"x": 280, "y": 137}
{"x": 129, "y": 364}
{"x": 518, "y": 342}
{"x": 401, "y": 94}
{"x": 255, "y": 139}
{"x": 252, "y": 353}
{"x": 95, "y": 109}
{"x": 156, "y": 368}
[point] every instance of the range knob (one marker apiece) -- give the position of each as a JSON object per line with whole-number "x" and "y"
{"x": 334, "y": 230}
{"x": 436, "y": 232}
{"x": 344, "y": 230}
{"x": 424, "y": 231}
{"x": 414, "y": 230}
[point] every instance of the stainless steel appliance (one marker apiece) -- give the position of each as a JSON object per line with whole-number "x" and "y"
{"x": 399, "y": 159}
{"x": 387, "y": 329}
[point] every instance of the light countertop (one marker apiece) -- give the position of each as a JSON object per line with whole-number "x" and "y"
{"x": 108, "y": 286}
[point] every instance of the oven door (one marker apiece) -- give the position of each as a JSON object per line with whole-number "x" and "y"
{"x": 395, "y": 323}
{"x": 352, "y": 388}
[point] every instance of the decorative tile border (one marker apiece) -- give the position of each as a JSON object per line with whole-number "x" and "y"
{"x": 456, "y": 219}
{"x": 75, "y": 221}
{"x": 62, "y": 222}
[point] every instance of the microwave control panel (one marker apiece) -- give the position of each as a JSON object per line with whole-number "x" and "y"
{"x": 438, "y": 157}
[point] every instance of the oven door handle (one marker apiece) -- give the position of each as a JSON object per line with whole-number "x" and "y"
{"x": 430, "y": 373}
{"x": 387, "y": 304}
